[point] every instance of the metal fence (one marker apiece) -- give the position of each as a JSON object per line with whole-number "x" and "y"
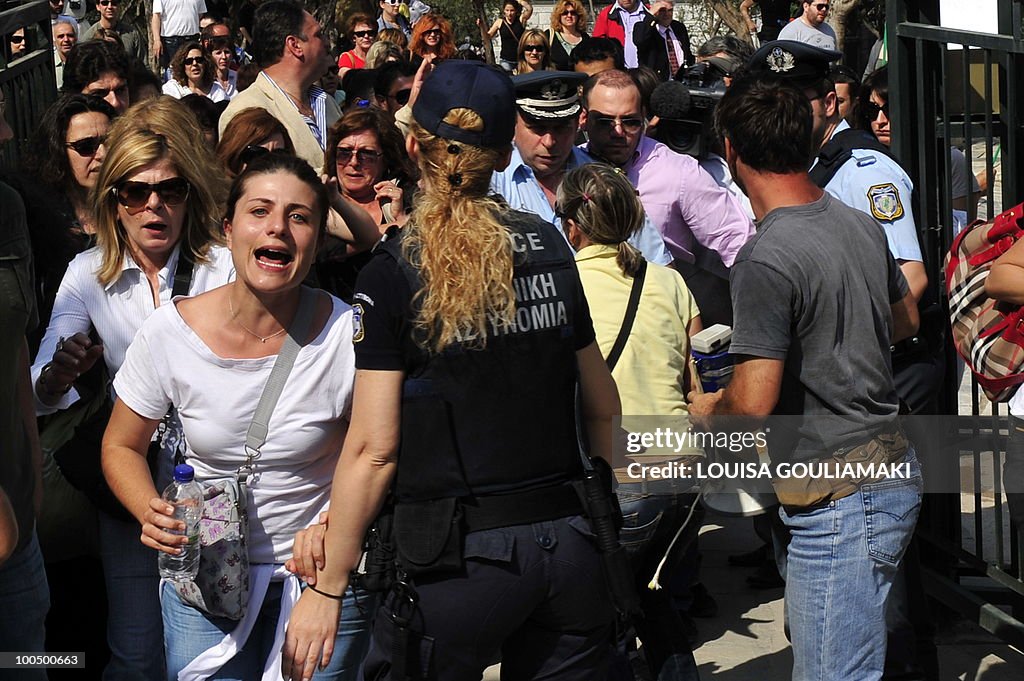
{"x": 27, "y": 79}
{"x": 959, "y": 88}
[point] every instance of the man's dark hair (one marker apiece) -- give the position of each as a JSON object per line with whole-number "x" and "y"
{"x": 89, "y": 60}
{"x": 769, "y": 123}
{"x": 389, "y": 73}
{"x": 273, "y": 22}
{"x": 737, "y": 49}
{"x": 598, "y": 49}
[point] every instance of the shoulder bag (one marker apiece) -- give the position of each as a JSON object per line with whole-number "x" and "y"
{"x": 221, "y": 587}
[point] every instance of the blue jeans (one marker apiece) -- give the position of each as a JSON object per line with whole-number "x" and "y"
{"x": 650, "y": 522}
{"x": 840, "y": 564}
{"x": 189, "y": 632}
{"x": 134, "y": 629}
{"x": 24, "y": 602}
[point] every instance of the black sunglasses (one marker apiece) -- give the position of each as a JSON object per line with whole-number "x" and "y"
{"x": 872, "y": 109}
{"x": 629, "y": 124}
{"x": 535, "y": 48}
{"x": 17, "y": 39}
{"x": 402, "y": 96}
{"x": 434, "y": 32}
{"x": 251, "y": 153}
{"x": 363, "y": 156}
{"x": 189, "y": 61}
{"x": 135, "y": 195}
{"x": 364, "y": 34}
{"x": 821, "y": 6}
{"x": 87, "y": 146}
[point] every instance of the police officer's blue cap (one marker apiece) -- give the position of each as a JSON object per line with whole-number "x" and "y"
{"x": 802, "y": 64}
{"x": 548, "y": 95}
{"x": 457, "y": 84}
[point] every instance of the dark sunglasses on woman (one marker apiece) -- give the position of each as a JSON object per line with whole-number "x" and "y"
{"x": 251, "y": 153}
{"x": 135, "y": 195}
{"x": 87, "y": 146}
{"x": 189, "y": 61}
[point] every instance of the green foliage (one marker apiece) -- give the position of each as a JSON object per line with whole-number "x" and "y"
{"x": 463, "y": 15}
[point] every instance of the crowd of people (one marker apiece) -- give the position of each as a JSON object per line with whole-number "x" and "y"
{"x": 478, "y": 269}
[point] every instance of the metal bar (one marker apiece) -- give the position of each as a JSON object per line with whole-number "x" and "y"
{"x": 988, "y": 616}
{"x": 979, "y": 521}
{"x": 939, "y": 34}
{"x": 23, "y": 15}
{"x": 990, "y": 189}
{"x": 973, "y": 562}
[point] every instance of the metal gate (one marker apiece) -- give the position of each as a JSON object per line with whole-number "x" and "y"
{"x": 951, "y": 87}
{"x": 27, "y": 80}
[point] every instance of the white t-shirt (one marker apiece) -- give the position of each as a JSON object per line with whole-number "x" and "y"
{"x": 179, "y": 17}
{"x": 823, "y": 36}
{"x": 177, "y": 90}
{"x": 216, "y": 398}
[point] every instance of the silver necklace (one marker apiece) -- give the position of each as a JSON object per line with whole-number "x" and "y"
{"x": 246, "y": 329}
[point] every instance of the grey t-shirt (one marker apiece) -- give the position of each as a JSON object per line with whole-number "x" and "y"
{"x": 823, "y": 36}
{"x": 813, "y": 288}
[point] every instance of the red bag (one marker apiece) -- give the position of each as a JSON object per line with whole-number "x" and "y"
{"x": 988, "y": 334}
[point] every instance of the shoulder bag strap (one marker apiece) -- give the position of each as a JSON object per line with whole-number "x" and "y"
{"x": 296, "y": 338}
{"x": 627, "y": 322}
{"x": 182, "y": 273}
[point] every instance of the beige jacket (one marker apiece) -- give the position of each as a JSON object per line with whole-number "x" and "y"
{"x": 263, "y": 95}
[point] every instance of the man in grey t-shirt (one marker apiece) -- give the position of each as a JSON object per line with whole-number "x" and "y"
{"x": 817, "y": 300}
{"x": 810, "y": 27}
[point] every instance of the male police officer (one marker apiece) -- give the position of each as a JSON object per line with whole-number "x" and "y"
{"x": 858, "y": 170}
{"x": 547, "y": 119}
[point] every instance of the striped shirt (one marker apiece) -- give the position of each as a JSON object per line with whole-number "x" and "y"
{"x": 116, "y": 310}
{"x": 317, "y": 124}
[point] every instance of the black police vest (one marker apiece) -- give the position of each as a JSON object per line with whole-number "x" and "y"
{"x": 478, "y": 422}
{"x": 839, "y": 150}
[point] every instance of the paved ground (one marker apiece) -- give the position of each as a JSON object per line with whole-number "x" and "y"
{"x": 745, "y": 642}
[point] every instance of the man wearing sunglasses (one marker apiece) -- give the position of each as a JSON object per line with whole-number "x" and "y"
{"x": 547, "y": 120}
{"x": 810, "y": 27}
{"x": 702, "y": 224}
{"x": 291, "y": 47}
{"x": 393, "y": 85}
{"x": 110, "y": 19}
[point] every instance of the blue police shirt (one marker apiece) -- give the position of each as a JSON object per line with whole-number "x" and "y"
{"x": 874, "y": 184}
{"x": 521, "y": 190}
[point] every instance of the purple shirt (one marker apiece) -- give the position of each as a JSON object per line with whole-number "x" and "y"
{"x": 686, "y": 204}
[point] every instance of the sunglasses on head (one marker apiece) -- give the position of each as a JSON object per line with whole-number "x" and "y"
{"x": 251, "y": 153}
{"x": 344, "y": 155}
{"x": 135, "y": 195}
{"x": 872, "y": 109}
{"x": 364, "y": 34}
{"x": 402, "y": 96}
{"x": 87, "y": 146}
{"x": 189, "y": 61}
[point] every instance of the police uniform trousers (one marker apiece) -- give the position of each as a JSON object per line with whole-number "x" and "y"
{"x": 532, "y": 595}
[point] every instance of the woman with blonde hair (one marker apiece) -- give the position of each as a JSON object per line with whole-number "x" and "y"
{"x": 156, "y": 201}
{"x": 383, "y": 52}
{"x": 431, "y": 39}
{"x": 472, "y": 328}
{"x": 193, "y": 72}
{"x": 534, "y": 52}
{"x": 568, "y": 29}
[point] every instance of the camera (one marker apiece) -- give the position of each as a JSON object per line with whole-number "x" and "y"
{"x": 75, "y": 5}
{"x": 685, "y": 106}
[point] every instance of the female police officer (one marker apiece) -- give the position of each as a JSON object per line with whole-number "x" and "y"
{"x": 470, "y": 329}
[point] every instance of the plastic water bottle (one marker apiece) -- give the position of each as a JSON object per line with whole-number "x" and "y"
{"x": 186, "y": 495}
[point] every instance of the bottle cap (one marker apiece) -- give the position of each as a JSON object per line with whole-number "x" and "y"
{"x": 184, "y": 473}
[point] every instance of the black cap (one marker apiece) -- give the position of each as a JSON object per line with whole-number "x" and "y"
{"x": 457, "y": 84}
{"x": 548, "y": 95}
{"x": 802, "y": 64}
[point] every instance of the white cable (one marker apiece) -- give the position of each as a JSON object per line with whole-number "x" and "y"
{"x": 653, "y": 585}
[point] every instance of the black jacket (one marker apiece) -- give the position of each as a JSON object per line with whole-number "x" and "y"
{"x": 651, "y": 48}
